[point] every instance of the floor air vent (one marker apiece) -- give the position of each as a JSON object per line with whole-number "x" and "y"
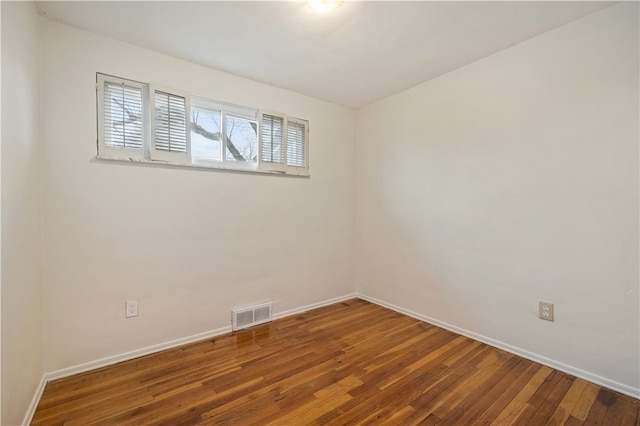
{"x": 250, "y": 315}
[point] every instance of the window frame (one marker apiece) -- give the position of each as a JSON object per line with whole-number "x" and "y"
{"x": 273, "y": 165}
{"x": 150, "y": 153}
{"x": 226, "y": 109}
{"x": 244, "y": 165}
{"x": 120, "y": 153}
{"x": 304, "y": 169}
{"x": 206, "y": 105}
{"x": 284, "y": 166}
{"x": 158, "y": 154}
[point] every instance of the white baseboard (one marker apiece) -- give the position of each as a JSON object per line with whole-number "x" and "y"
{"x": 104, "y": 362}
{"x": 34, "y": 402}
{"x": 314, "y": 306}
{"x": 574, "y": 371}
{"x": 114, "y": 359}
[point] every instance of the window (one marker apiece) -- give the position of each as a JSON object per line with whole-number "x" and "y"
{"x": 206, "y": 128}
{"x": 138, "y": 121}
{"x": 272, "y": 141}
{"x": 224, "y": 135}
{"x": 283, "y": 143}
{"x": 297, "y": 143}
{"x": 169, "y": 137}
{"x": 122, "y": 125}
{"x": 241, "y": 137}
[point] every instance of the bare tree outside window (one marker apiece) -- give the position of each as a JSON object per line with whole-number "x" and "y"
{"x": 241, "y": 138}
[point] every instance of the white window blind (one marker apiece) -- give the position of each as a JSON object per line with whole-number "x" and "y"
{"x": 170, "y": 139}
{"x": 123, "y": 116}
{"x": 121, "y": 111}
{"x": 283, "y": 143}
{"x": 272, "y": 139}
{"x": 297, "y": 135}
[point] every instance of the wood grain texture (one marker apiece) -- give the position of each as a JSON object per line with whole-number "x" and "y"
{"x": 345, "y": 364}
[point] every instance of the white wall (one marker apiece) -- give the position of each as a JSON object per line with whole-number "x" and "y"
{"x": 188, "y": 244}
{"x": 512, "y": 180}
{"x": 22, "y": 348}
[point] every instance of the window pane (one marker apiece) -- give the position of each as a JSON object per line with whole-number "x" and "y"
{"x": 205, "y": 134}
{"x": 122, "y": 116}
{"x": 272, "y": 138}
{"x": 242, "y": 139}
{"x": 171, "y": 123}
{"x": 295, "y": 144}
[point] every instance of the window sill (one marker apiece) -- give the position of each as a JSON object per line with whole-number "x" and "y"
{"x": 203, "y": 167}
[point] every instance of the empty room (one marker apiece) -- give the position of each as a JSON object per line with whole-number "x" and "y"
{"x": 320, "y": 212}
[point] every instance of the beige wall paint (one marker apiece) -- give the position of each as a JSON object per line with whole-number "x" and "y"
{"x": 512, "y": 180}
{"x": 188, "y": 244}
{"x": 22, "y": 350}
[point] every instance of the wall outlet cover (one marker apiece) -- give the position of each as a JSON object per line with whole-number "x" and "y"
{"x": 545, "y": 311}
{"x": 131, "y": 308}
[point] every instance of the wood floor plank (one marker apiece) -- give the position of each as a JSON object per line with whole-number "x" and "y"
{"x": 520, "y": 377}
{"x": 350, "y": 363}
{"x": 456, "y": 378}
{"x": 600, "y": 406}
{"x": 474, "y": 406}
{"x": 546, "y": 409}
{"x": 563, "y": 410}
{"x": 467, "y": 388}
{"x": 621, "y": 411}
{"x": 573, "y": 421}
{"x": 629, "y": 414}
{"x": 583, "y": 406}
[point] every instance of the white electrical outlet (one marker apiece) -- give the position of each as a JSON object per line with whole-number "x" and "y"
{"x": 131, "y": 308}
{"x": 545, "y": 311}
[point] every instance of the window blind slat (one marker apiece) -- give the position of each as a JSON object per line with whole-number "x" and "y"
{"x": 296, "y": 155}
{"x": 170, "y": 122}
{"x": 122, "y": 116}
{"x": 272, "y": 139}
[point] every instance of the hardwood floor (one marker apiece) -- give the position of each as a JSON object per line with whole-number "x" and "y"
{"x": 348, "y": 363}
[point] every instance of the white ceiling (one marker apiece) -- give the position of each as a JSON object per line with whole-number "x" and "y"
{"x": 353, "y": 56}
